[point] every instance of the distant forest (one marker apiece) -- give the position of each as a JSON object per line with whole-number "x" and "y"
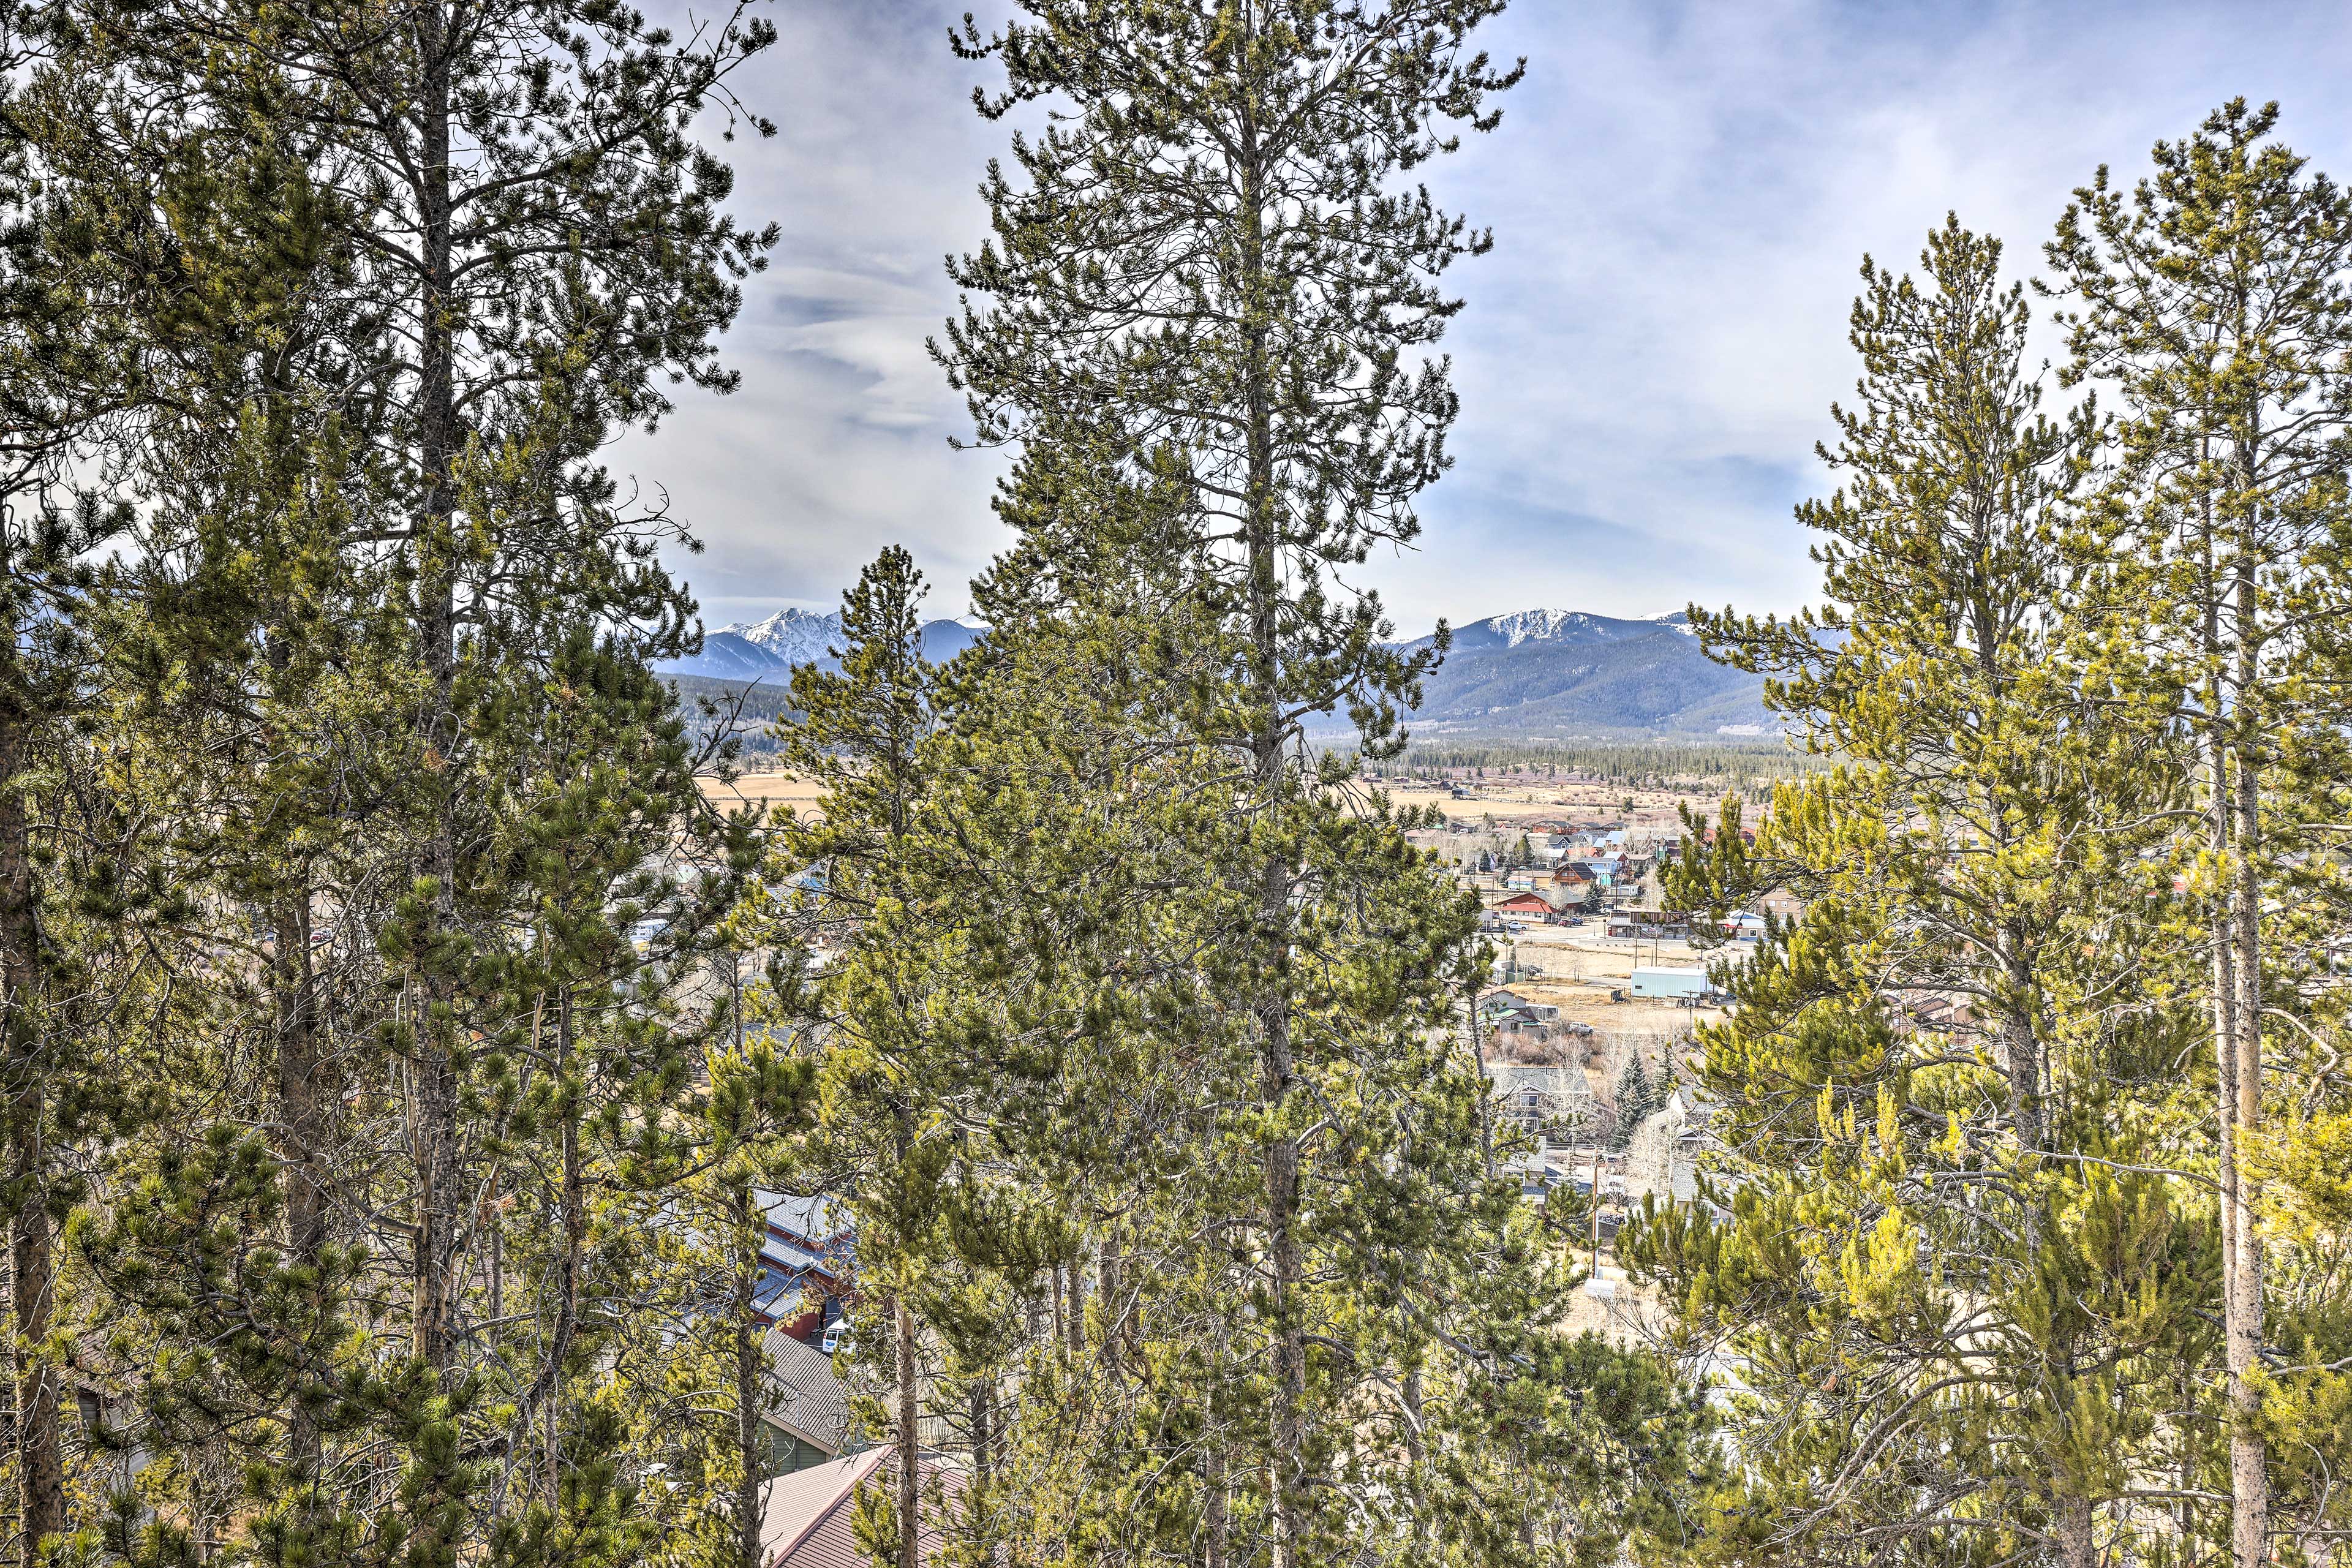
{"x": 1693, "y": 765}
{"x": 746, "y": 708}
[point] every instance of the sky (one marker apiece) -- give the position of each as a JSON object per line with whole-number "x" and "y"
{"x": 1681, "y": 194}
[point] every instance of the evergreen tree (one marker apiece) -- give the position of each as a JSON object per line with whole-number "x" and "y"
{"x": 1634, "y": 1099}
{"x": 2213, "y": 300}
{"x": 860, "y": 733}
{"x": 405, "y": 619}
{"x": 1978, "y": 1373}
{"x": 59, "y": 379}
{"x": 1210, "y": 259}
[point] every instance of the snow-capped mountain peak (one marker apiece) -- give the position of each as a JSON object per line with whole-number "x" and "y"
{"x": 769, "y": 648}
{"x": 1545, "y": 625}
{"x": 793, "y": 636}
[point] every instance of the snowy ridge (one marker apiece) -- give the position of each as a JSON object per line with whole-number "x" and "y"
{"x": 1545, "y": 628}
{"x": 793, "y": 636}
{"x": 1547, "y": 625}
{"x": 769, "y": 649}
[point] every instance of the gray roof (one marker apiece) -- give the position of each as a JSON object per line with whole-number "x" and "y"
{"x": 805, "y": 1393}
{"x": 815, "y": 1218}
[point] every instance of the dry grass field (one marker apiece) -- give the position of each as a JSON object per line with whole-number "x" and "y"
{"x": 1527, "y": 803}
{"x": 1503, "y": 804}
{"x": 774, "y": 790}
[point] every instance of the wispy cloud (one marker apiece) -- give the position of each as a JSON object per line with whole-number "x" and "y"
{"x": 1681, "y": 194}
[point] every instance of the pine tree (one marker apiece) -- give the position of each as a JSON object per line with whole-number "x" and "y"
{"x": 59, "y": 378}
{"x": 859, "y": 733}
{"x": 1979, "y": 842}
{"x": 1265, "y": 136}
{"x": 1207, "y": 261}
{"x": 1634, "y": 1099}
{"x": 2212, "y": 298}
{"x": 400, "y": 606}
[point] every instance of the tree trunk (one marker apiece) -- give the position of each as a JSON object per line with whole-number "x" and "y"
{"x": 435, "y": 1088}
{"x": 1217, "y": 1521}
{"x": 2021, "y": 1047}
{"x": 40, "y": 1468}
{"x": 910, "y": 1451}
{"x": 1277, "y": 1067}
{"x": 300, "y": 1133}
{"x": 573, "y": 1199}
{"x": 2077, "y": 1544}
{"x": 751, "y": 1363}
{"x": 2243, "y": 1296}
{"x": 1106, "y": 1293}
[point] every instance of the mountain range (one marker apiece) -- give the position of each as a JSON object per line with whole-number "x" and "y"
{"x": 1562, "y": 675}
{"x": 766, "y": 650}
{"x": 1553, "y": 675}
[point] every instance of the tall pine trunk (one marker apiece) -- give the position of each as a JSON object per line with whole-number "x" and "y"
{"x": 299, "y": 1133}
{"x": 750, "y": 1358}
{"x": 1277, "y": 1069}
{"x": 2078, "y": 1544}
{"x": 572, "y": 1198}
{"x": 909, "y": 1450}
{"x": 433, "y": 1087}
{"x": 40, "y": 1468}
{"x": 2242, "y": 1284}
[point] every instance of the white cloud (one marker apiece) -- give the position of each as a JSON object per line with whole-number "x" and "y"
{"x": 1681, "y": 194}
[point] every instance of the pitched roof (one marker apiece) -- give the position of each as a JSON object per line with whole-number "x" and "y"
{"x": 808, "y": 1520}
{"x": 807, "y": 1523}
{"x": 813, "y": 1218}
{"x": 805, "y": 1395}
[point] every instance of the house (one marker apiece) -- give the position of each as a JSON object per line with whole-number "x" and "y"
{"x": 1509, "y": 1017}
{"x": 1549, "y": 1103}
{"x": 804, "y": 1263}
{"x": 808, "y": 1519}
{"x": 1602, "y": 873}
{"x": 1528, "y": 903}
{"x": 806, "y": 1411}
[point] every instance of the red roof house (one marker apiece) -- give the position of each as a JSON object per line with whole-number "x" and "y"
{"x": 810, "y": 1518}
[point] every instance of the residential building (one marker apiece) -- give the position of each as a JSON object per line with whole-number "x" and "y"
{"x": 1552, "y": 1104}
{"x": 808, "y": 1519}
{"x": 804, "y": 1263}
{"x": 806, "y": 1411}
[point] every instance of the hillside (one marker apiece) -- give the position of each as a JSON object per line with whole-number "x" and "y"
{"x": 1565, "y": 674}
{"x": 1562, "y": 675}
